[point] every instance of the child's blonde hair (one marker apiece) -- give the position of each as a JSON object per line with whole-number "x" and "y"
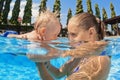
{"x": 45, "y": 18}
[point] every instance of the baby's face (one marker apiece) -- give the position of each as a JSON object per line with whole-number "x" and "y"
{"x": 52, "y": 31}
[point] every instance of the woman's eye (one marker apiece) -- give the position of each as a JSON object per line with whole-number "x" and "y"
{"x": 72, "y": 34}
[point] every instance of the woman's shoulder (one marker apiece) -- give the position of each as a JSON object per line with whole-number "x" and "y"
{"x": 101, "y": 58}
{"x": 104, "y": 59}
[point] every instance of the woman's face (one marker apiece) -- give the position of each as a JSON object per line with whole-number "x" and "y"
{"x": 77, "y": 34}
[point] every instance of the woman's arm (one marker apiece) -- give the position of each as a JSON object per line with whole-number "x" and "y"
{"x": 43, "y": 71}
{"x": 87, "y": 49}
{"x": 46, "y": 71}
{"x": 66, "y": 69}
{"x": 41, "y": 58}
{"x": 55, "y": 72}
{"x": 52, "y": 53}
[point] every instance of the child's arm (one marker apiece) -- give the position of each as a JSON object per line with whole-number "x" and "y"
{"x": 22, "y": 36}
{"x": 12, "y": 35}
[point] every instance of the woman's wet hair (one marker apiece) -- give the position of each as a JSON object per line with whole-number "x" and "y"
{"x": 100, "y": 29}
{"x": 86, "y": 21}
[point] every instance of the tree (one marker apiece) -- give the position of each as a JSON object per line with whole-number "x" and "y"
{"x": 97, "y": 11}
{"x": 69, "y": 15}
{"x": 113, "y": 14}
{"x": 15, "y": 13}
{"x": 79, "y": 7}
{"x": 1, "y": 5}
{"x": 89, "y": 7}
{"x": 1, "y": 18}
{"x": 1, "y": 10}
{"x": 27, "y": 12}
{"x": 104, "y": 16}
{"x": 6, "y": 11}
{"x": 56, "y": 8}
{"x": 43, "y": 6}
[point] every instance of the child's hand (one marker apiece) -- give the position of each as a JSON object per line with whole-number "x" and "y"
{"x": 12, "y": 35}
{"x": 87, "y": 49}
{"x": 23, "y": 37}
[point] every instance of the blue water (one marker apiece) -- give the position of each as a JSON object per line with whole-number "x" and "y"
{"x": 14, "y": 67}
{"x": 114, "y": 50}
{"x": 20, "y": 46}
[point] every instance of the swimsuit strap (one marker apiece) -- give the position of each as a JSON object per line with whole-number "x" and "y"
{"x": 81, "y": 63}
{"x": 76, "y": 69}
{"x": 103, "y": 53}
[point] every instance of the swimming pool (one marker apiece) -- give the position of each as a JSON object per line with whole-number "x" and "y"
{"x": 13, "y": 67}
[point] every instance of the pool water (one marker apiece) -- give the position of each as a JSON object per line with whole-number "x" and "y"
{"x": 13, "y": 67}
{"x": 114, "y": 51}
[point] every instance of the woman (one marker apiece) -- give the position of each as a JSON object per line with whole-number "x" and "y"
{"x": 83, "y": 27}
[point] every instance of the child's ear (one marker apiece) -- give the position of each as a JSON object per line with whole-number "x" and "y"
{"x": 42, "y": 30}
